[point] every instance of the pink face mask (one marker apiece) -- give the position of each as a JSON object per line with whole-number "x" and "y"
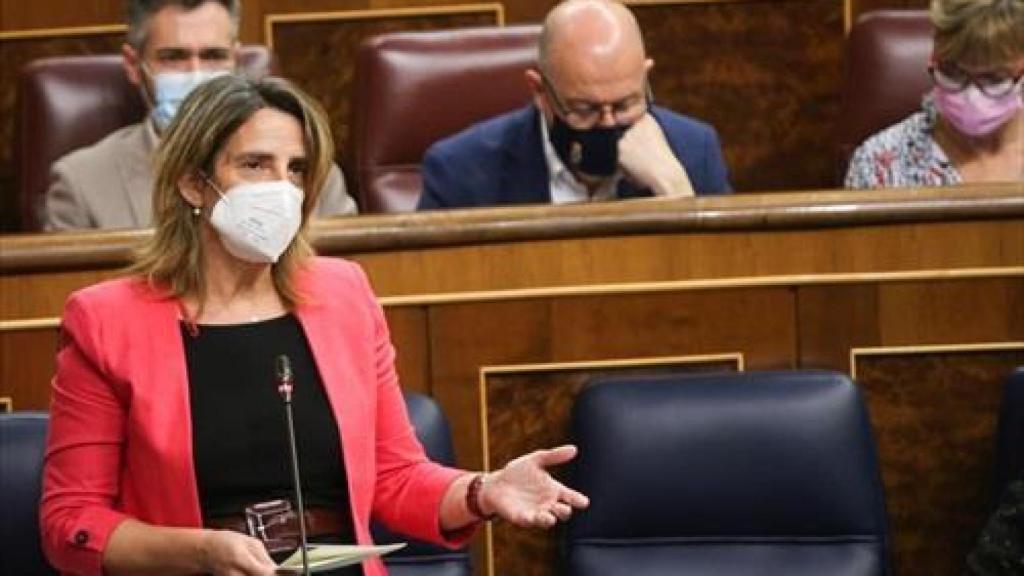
{"x": 975, "y": 113}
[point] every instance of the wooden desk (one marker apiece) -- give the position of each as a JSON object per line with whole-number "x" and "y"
{"x": 503, "y": 314}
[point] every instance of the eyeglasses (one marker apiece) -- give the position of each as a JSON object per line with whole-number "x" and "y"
{"x": 582, "y": 115}
{"x": 951, "y": 77}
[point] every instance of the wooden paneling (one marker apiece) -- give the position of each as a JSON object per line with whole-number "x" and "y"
{"x": 20, "y": 15}
{"x": 408, "y": 326}
{"x": 467, "y": 337}
{"x": 527, "y": 409}
{"x": 934, "y": 415}
{"x": 27, "y": 358}
{"x": 316, "y": 44}
{"x": 835, "y": 319}
{"x": 765, "y": 74}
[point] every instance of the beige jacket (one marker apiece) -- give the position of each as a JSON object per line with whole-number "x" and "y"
{"x": 110, "y": 185}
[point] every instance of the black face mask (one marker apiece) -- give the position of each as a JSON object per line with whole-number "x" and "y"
{"x": 594, "y": 151}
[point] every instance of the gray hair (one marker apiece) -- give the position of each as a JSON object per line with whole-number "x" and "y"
{"x": 141, "y": 11}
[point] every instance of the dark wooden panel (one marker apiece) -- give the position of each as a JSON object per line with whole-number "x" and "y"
{"x": 14, "y": 55}
{"x": 22, "y": 15}
{"x": 320, "y": 55}
{"x": 765, "y": 74}
{"x": 408, "y": 326}
{"x": 530, "y": 410}
{"x": 26, "y": 366}
{"x": 836, "y": 318}
{"x": 934, "y": 418}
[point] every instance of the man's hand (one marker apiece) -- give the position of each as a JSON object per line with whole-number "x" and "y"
{"x": 647, "y": 160}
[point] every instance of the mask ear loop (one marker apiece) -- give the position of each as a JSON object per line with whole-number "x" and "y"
{"x": 147, "y": 84}
{"x": 216, "y": 188}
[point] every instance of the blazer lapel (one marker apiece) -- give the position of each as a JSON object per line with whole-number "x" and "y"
{"x": 525, "y": 180}
{"x": 335, "y": 361}
{"x": 165, "y": 409}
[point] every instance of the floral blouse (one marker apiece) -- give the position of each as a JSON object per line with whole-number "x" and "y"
{"x": 904, "y": 154}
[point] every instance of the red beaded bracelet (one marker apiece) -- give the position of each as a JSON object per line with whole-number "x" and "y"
{"x": 473, "y": 498}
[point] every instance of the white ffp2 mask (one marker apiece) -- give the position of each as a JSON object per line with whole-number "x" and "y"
{"x": 258, "y": 220}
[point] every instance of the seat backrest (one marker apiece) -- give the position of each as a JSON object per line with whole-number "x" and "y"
{"x": 726, "y": 474}
{"x": 22, "y": 444}
{"x": 1010, "y": 433}
{"x": 69, "y": 102}
{"x": 420, "y": 558}
{"x": 887, "y": 55}
{"x": 412, "y": 89}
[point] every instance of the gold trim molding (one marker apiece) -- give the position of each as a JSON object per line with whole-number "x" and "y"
{"x": 930, "y": 349}
{"x": 270, "y": 20}
{"x": 63, "y": 32}
{"x": 29, "y": 324}
{"x": 702, "y": 284}
{"x": 485, "y": 371}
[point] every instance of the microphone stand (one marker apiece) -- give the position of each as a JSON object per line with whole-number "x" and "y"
{"x": 284, "y": 387}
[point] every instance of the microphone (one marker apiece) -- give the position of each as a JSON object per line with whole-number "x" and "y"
{"x": 285, "y": 383}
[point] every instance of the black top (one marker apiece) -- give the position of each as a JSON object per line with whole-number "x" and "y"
{"x": 239, "y": 435}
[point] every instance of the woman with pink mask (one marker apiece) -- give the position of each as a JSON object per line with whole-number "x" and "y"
{"x": 971, "y": 125}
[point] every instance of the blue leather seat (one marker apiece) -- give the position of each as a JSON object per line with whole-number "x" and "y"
{"x": 22, "y": 443}
{"x": 726, "y": 474}
{"x": 1010, "y": 433}
{"x": 420, "y": 558}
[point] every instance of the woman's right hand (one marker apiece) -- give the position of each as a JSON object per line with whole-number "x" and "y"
{"x": 228, "y": 553}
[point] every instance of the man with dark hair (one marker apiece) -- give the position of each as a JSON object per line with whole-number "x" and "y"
{"x": 172, "y": 46}
{"x": 592, "y": 132}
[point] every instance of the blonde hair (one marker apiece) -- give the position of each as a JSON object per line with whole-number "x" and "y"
{"x": 172, "y": 258}
{"x": 983, "y": 33}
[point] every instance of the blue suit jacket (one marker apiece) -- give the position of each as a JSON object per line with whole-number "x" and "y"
{"x": 501, "y": 161}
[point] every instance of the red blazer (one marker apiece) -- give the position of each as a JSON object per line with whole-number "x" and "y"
{"x": 120, "y": 441}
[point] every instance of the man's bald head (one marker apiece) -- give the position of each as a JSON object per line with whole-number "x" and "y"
{"x": 589, "y": 33}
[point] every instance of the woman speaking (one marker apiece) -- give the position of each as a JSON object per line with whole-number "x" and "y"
{"x": 166, "y": 423}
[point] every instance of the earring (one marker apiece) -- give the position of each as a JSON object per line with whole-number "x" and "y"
{"x": 197, "y": 211}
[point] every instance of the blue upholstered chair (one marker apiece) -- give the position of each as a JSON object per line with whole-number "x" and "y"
{"x": 420, "y": 558}
{"x": 726, "y": 474}
{"x": 1010, "y": 434}
{"x": 22, "y": 441}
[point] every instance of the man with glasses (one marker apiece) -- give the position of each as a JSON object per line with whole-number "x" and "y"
{"x": 172, "y": 47}
{"x": 592, "y": 132}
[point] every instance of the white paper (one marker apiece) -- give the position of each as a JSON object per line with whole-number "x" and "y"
{"x": 330, "y": 556}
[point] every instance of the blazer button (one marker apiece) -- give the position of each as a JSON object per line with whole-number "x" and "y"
{"x": 81, "y": 537}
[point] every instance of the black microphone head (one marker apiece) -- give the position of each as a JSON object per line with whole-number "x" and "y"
{"x": 284, "y": 368}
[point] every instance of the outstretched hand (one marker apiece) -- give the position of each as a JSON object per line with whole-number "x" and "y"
{"x": 524, "y": 494}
